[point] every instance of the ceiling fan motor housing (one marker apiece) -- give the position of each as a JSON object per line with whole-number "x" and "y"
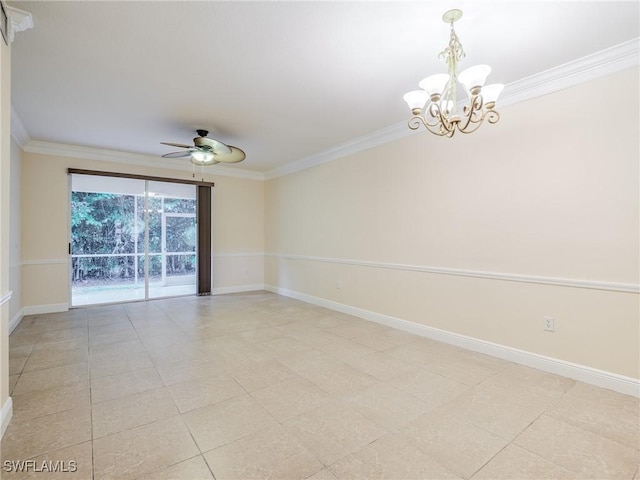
{"x": 204, "y": 143}
{"x": 209, "y": 147}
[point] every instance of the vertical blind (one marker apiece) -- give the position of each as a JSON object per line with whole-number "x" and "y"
{"x": 203, "y": 217}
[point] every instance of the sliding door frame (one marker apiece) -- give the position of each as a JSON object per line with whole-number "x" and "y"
{"x": 203, "y": 222}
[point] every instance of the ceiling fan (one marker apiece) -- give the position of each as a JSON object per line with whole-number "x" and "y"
{"x": 206, "y": 151}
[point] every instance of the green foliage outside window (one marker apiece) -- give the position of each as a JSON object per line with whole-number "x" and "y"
{"x": 104, "y": 223}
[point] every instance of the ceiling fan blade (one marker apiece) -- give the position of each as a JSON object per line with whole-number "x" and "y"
{"x": 177, "y": 154}
{"x": 235, "y": 156}
{"x": 216, "y": 146}
{"x": 179, "y": 145}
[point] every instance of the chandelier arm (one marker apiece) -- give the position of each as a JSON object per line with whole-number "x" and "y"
{"x": 492, "y": 116}
{"x": 417, "y": 120}
{"x": 449, "y": 133}
{"x": 439, "y": 120}
{"x": 489, "y": 115}
{"x": 446, "y": 127}
{"x": 471, "y": 127}
{"x": 434, "y": 111}
{"x": 476, "y": 126}
{"x": 473, "y": 112}
{"x": 472, "y": 123}
{"x": 440, "y": 131}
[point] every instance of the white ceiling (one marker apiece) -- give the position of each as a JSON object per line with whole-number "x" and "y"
{"x": 281, "y": 80}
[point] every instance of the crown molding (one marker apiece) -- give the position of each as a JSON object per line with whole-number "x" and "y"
{"x": 19, "y": 21}
{"x": 371, "y": 140}
{"x": 606, "y": 62}
{"x": 113, "y": 156}
{"x": 18, "y": 132}
{"x": 599, "y": 64}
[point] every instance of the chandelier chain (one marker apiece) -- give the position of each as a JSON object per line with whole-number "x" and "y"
{"x": 454, "y": 51}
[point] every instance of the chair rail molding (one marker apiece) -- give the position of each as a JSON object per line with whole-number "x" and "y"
{"x": 509, "y": 277}
{"x": 46, "y": 261}
{"x": 6, "y": 297}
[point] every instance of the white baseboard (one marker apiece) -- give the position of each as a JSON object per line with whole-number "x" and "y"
{"x": 42, "y": 309}
{"x": 600, "y": 378}
{"x": 15, "y": 321}
{"x": 5, "y": 416}
{"x": 238, "y": 289}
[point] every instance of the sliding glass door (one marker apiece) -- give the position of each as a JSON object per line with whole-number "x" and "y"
{"x": 172, "y": 239}
{"x": 131, "y": 239}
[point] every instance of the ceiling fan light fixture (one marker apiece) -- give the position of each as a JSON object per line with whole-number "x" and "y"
{"x": 202, "y": 157}
{"x": 206, "y": 151}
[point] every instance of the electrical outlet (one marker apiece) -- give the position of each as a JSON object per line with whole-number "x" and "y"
{"x": 549, "y": 324}
{"x": 338, "y": 284}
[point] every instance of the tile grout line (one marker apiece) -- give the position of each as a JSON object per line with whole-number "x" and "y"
{"x": 179, "y": 414}
{"x": 544, "y": 412}
{"x": 93, "y": 461}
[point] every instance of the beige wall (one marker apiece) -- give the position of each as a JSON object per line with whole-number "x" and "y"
{"x": 238, "y": 233}
{"x": 5, "y": 208}
{"x": 550, "y": 191}
{"x": 540, "y": 194}
{"x": 15, "y": 235}
{"x": 238, "y": 227}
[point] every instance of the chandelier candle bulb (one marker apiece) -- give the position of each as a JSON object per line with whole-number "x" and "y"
{"x": 435, "y": 105}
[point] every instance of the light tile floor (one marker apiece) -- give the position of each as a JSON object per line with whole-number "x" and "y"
{"x": 251, "y": 386}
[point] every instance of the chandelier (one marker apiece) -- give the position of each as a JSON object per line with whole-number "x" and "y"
{"x": 435, "y": 105}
